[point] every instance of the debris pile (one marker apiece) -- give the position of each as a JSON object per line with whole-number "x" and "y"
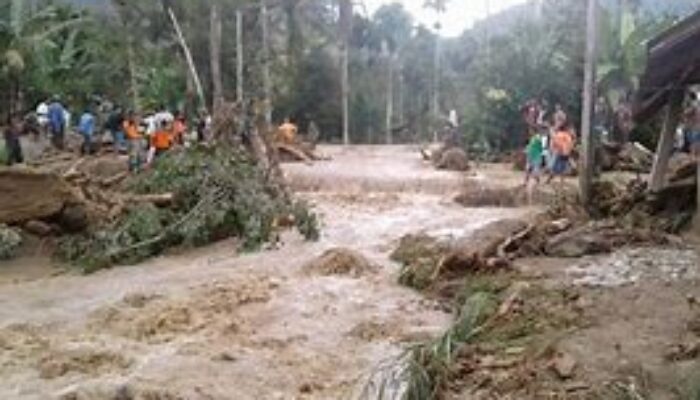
{"x": 429, "y": 261}
{"x": 632, "y": 157}
{"x": 191, "y": 198}
{"x": 340, "y": 261}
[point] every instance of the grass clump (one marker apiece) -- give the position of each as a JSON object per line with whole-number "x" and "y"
{"x": 10, "y": 241}
{"x": 218, "y": 193}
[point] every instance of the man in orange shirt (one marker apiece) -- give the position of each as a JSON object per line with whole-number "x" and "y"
{"x": 287, "y": 132}
{"x": 161, "y": 141}
{"x": 562, "y": 146}
{"x": 130, "y": 126}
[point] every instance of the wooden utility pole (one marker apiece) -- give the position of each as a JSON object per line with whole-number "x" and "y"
{"x": 239, "y": 56}
{"x": 267, "y": 82}
{"x": 215, "y": 54}
{"x": 188, "y": 55}
{"x": 436, "y": 77}
{"x": 345, "y": 25}
{"x": 587, "y": 161}
{"x": 389, "y": 91}
{"x": 665, "y": 146}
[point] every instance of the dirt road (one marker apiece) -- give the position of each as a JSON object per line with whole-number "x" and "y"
{"x": 213, "y": 324}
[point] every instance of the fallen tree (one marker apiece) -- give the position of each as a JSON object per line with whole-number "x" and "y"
{"x": 190, "y": 198}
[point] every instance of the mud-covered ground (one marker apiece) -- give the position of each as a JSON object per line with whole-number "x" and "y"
{"x": 213, "y": 324}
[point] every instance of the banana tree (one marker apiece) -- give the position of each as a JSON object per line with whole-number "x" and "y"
{"x": 623, "y": 39}
{"x": 26, "y": 35}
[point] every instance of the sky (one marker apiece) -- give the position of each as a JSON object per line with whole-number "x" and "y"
{"x": 461, "y": 14}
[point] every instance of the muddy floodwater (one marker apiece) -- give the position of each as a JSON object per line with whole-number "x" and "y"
{"x": 214, "y": 324}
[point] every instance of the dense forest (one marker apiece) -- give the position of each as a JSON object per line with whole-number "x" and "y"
{"x": 403, "y": 78}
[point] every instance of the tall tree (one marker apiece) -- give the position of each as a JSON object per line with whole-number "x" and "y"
{"x": 440, "y": 7}
{"x": 393, "y": 27}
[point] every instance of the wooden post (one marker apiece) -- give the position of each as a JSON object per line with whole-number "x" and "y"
{"x": 215, "y": 55}
{"x": 267, "y": 82}
{"x": 345, "y": 25}
{"x": 239, "y": 56}
{"x": 665, "y": 145}
{"x": 389, "y": 92}
{"x": 697, "y": 202}
{"x": 588, "y": 152}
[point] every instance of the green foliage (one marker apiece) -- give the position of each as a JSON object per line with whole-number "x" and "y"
{"x": 421, "y": 373}
{"x": 219, "y": 193}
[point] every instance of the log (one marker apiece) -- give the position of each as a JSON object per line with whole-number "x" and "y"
{"x": 107, "y": 182}
{"x": 296, "y": 153}
{"x": 161, "y": 200}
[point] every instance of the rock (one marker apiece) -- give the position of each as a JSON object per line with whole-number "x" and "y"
{"x": 577, "y": 243}
{"x": 38, "y": 228}
{"x": 454, "y": 159}
{"x": 28, "y": 194}
{"x": 10, "y": 240}
{"x": 73, "y": 218}
{"x": 564, "y": 365}
{"x": 482, "y": 244}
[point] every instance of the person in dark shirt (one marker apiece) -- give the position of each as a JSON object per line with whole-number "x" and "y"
{"x": 12, "y": 140}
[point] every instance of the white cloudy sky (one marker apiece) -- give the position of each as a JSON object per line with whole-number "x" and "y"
{"x": 460, "y": 14}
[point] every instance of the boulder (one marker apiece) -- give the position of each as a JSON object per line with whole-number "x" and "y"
{"x": 577, "y": 243}
{"x": 472, "y": 251}
{"x": 29, "y": 194}
{"x": 454, "y": 159}
{"x": 38, "y": 228}
{"x": 73, "y": 218}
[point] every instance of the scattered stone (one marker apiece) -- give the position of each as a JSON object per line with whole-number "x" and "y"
{"x": 563, "y": 364}
{"x": 577, "y": 243}
{"x": 683, "y": 352}
{"x": 225, "y": 356}
{"x": 628, "y": 266}
{"x": 38, "y": 228}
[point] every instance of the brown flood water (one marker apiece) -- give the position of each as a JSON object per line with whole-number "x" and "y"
{"x": 213, "y": 324}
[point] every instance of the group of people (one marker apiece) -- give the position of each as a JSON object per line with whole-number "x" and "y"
{"x": 142, "y": 138}
{"x": 551, "y": 141}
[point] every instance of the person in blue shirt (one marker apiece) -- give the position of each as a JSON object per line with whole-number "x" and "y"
{"x": 86, "y": 128}
{"x": 57, "y": 123}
